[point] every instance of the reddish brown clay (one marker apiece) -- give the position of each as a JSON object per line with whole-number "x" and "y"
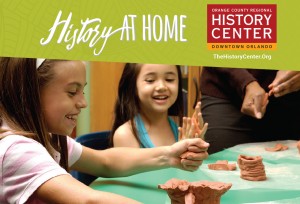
{"x": 278, "y": 147}
{"x": 204, "y": 192}
{"x": 298, "y": 146}
{"x": 176, "y": 189}
{"x": 252, "y": 168}
{"x": 222, "y": 165}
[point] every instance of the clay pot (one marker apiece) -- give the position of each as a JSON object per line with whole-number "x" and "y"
{"x": 204, "y": 192}
{"x": 252, "y": 168}
{"x": 222, "y": 165}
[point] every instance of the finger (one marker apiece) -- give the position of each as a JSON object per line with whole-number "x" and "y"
{"x": 281, "y": 93}
{"x": 282, "y": 89}
{"x": 196, "y": 142}
{"x": 191, "y": 163}
{"x": 287, "y": 79}
{"x": 190, "y": 168}
{"x": 195, "y": 149}
{"x": 192, "y": 131}
{"x": 180, "y": 133}
{"x": 281, "y": 77}
{"x": 197, "y": 145}
{"x": 291, "y": 85}
{"x": 183, "y": 130}
{"x": 258, "y": 101}
{"x": 200, "y": 120}
{"x": 188, "y": 126}
{"x": 271, "y": 92}
{"x": 271, "y": 86}
{"x": 266, "y": 99}
{"x": 198, "y": 105}
{"x": 265, "y": 103}
{"x": 204, "y": 129}
{"x": 191, "y": 156}
{"x": 264, "y": 108}
{"x": 196, "y": 112}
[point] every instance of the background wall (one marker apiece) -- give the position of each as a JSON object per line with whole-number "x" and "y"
{"x": 83, "y": 123}
{"x": 104, "y": 78}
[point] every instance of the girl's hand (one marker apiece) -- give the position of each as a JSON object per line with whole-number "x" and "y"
{"x": 187, "y": 130}
{"x": 284, "y": 83}
{"x": 188, "y": 154}
{"x": 193, "y": 127}
{"x": 255, "y": 101}
{"x": 197, "y": 119}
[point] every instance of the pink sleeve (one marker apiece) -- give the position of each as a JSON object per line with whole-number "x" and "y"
{"x": 26, "y": 165}
{"x": 74, "y": 150}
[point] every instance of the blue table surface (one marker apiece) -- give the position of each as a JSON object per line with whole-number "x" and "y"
{"x": 282, "y": 184}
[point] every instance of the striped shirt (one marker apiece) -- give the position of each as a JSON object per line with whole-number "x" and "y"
{"x": 26, "y": 165}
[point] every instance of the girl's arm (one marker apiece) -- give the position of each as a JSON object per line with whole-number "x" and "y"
{"x": 121, "y": 161}
{"x": 66, "y": 189}
{"x": 187, "y": 155}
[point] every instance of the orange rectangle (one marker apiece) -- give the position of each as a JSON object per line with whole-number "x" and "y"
{"x": 242, "y": 46}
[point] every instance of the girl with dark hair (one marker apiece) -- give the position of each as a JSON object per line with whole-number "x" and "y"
{"x": 40, "y": 101}
{"x": 149, "y": 98}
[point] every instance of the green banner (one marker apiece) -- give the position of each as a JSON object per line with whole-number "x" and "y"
{"x": 156, "y": 31}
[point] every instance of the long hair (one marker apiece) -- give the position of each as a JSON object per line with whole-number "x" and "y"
{"x": 20, "y": 104}
{"x": 127, "y": 102}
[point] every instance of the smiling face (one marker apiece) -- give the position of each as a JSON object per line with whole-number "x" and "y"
{"x": 62, "y": 98}
{"x": 157, "y": 87}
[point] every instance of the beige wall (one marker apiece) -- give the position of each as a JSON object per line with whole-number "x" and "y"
{"x": 104, "y": 84}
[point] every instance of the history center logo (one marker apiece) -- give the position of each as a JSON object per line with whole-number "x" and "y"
{"x": 241, "y": 26}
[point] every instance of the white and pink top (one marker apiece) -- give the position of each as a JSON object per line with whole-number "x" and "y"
{"x": 26, "y": 165}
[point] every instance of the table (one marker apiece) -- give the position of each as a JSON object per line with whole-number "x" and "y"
{"x": 282, "y": 184}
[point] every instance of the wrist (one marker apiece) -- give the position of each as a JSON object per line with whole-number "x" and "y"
{"x": 251, "y": 85}
{"x": 167, "y": 159}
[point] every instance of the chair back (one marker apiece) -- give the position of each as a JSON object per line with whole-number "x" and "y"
{"x": 94, "y": 140}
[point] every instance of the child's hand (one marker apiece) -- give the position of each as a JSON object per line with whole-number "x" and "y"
{"x": 193, "y": 127}
{"x": 188, "y": 154}
{"x": 187, "y": 130}
{"x": 200, "y": 127}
